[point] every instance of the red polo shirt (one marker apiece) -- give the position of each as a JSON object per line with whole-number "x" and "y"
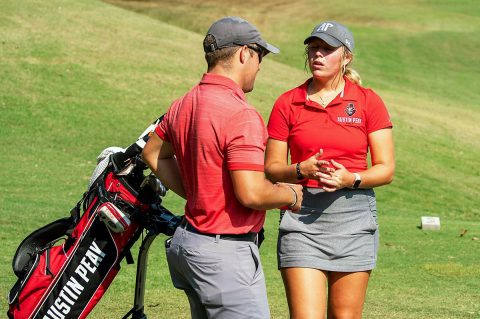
{"x": 341, "y": 129}
{"x": 214, "y": 130}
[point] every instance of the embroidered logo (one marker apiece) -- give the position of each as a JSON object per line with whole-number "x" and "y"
{"x": 349, "y": 45}
{"x": 324, "y": 27}
{"x": 350, "y": 109}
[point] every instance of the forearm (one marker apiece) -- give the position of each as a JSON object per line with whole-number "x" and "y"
{"x": 270, "y": 196}
{"x": 277, "y": 172}
{"x": 168, "y": 172}
{"x": 377, "y": 175}
{"x": 383, "y": 160}
{"x": 253, "y": 190}
{"x": 277, "y": 168}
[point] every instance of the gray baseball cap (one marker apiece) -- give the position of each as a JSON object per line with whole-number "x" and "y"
{"x": 334, "y": 33}
{"x": 235, "y": 31}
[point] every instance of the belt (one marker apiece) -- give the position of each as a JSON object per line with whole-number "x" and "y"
{"x": 235, "y": 237}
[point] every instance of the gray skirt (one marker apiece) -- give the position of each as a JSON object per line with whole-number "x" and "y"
{"x": 335, "y": 231}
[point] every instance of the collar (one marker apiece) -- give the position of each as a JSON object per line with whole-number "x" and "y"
{"x": 349, "y": 93}
{"x": 217, "y": 79}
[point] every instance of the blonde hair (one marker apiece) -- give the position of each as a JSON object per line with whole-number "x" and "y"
{"x": 348, "y": 71}
{"x": 353, "y": 76}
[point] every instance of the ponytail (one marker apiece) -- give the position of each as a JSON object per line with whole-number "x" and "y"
{"x": 352, "y": 75}
{"x": 348, "y": 72}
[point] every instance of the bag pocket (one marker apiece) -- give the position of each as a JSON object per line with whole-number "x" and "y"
{"x": 29, "y": 290}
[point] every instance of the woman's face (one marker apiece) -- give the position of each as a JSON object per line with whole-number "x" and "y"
{"x": 324, "y": 60}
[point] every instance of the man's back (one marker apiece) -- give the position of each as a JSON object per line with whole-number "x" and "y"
{"x": 212, "y": 130}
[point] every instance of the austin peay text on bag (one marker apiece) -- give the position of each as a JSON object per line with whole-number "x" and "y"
{"x": 65, "y": 267}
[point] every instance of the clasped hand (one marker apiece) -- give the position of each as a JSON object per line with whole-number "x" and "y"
{"x": 331, "y": 174}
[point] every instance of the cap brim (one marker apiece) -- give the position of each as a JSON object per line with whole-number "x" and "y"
{"x": 267, "y": 47}
{"x": 325, "y": 37}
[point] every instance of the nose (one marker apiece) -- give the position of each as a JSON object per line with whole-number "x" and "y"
{"x": 319, "y": 52}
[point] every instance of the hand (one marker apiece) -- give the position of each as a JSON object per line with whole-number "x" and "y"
{"x": 313, "y": 165}
{"x": 298, "y": 189}
{"x": 338, "y": 179}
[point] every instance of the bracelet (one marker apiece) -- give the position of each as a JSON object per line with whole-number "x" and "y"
{"x": 295, "y": 198}
{"x": 299, "y": 174}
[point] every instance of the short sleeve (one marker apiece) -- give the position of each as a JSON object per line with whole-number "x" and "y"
{"x": 162, "y": 128}
{"x": 377, "y": 114}
{"x": 246, "y": 138}
{"x": 278, "y": 123}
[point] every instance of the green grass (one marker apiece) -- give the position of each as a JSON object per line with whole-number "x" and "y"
{"x": 79, "y": 76}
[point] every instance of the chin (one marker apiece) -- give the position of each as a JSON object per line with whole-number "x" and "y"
{"x": 317, "y": 72}
{"x": 248, "y": 89}
{"x": 322, "y": 75}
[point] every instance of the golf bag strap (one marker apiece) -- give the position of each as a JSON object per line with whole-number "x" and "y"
{"x": 75, "y": 213}
{"x": 129, "y": 257}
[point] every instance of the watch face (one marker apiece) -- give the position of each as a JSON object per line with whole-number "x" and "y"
{"x": 357, "y": 182}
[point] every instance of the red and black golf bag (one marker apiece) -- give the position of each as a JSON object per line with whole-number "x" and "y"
{"x": 65, "y": 267}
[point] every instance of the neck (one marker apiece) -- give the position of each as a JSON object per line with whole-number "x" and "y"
{"x": 335, "y": 83}
{"x": 323, "y": 92}
{"x": 228, "y": 73}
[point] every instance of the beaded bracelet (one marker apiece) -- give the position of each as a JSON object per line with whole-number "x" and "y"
{"x": 299, "y": 174}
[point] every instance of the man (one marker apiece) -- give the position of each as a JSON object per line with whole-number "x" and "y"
{"x": 209, "y": 149}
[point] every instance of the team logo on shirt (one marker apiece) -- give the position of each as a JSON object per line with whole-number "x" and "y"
{"x": 350, "y": 109}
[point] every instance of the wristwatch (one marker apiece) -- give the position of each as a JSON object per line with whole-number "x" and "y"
{"x": 357, "y": 181}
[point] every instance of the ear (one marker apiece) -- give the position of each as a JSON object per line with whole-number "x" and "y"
{"x": 244, "y": 54}
{"x": 347, "y": 57}
{"x": 346, "y": 61}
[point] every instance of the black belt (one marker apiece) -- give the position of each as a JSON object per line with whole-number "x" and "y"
{"x": 235, "y": 237}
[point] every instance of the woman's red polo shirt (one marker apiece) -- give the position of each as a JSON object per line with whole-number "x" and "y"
{"x": 341, "y": 129}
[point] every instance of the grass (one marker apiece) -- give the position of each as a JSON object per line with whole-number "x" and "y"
{"x": 81, "y": 76}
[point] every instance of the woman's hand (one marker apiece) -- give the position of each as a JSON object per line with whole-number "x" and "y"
{"x": 313, "y": 165}
{"x": 339, "y": 178}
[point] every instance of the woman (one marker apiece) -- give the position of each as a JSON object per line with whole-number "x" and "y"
{"x": 328, "y": 124}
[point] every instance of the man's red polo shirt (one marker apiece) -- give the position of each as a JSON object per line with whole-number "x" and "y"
{"x": 213, "y": 130}
{"x": 341, "y": 129}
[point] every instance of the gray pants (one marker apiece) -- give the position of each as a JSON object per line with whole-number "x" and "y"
{"x": 222, "y": 279}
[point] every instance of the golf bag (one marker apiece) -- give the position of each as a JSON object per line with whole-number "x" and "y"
{"x": 65, "y": 267}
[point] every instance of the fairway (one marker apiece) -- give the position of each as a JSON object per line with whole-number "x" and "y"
{"x": 80, "y": 76}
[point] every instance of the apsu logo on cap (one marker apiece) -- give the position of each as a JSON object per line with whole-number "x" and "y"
{"x": 350, "y": 109}
{"x": 324, "y": 27}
